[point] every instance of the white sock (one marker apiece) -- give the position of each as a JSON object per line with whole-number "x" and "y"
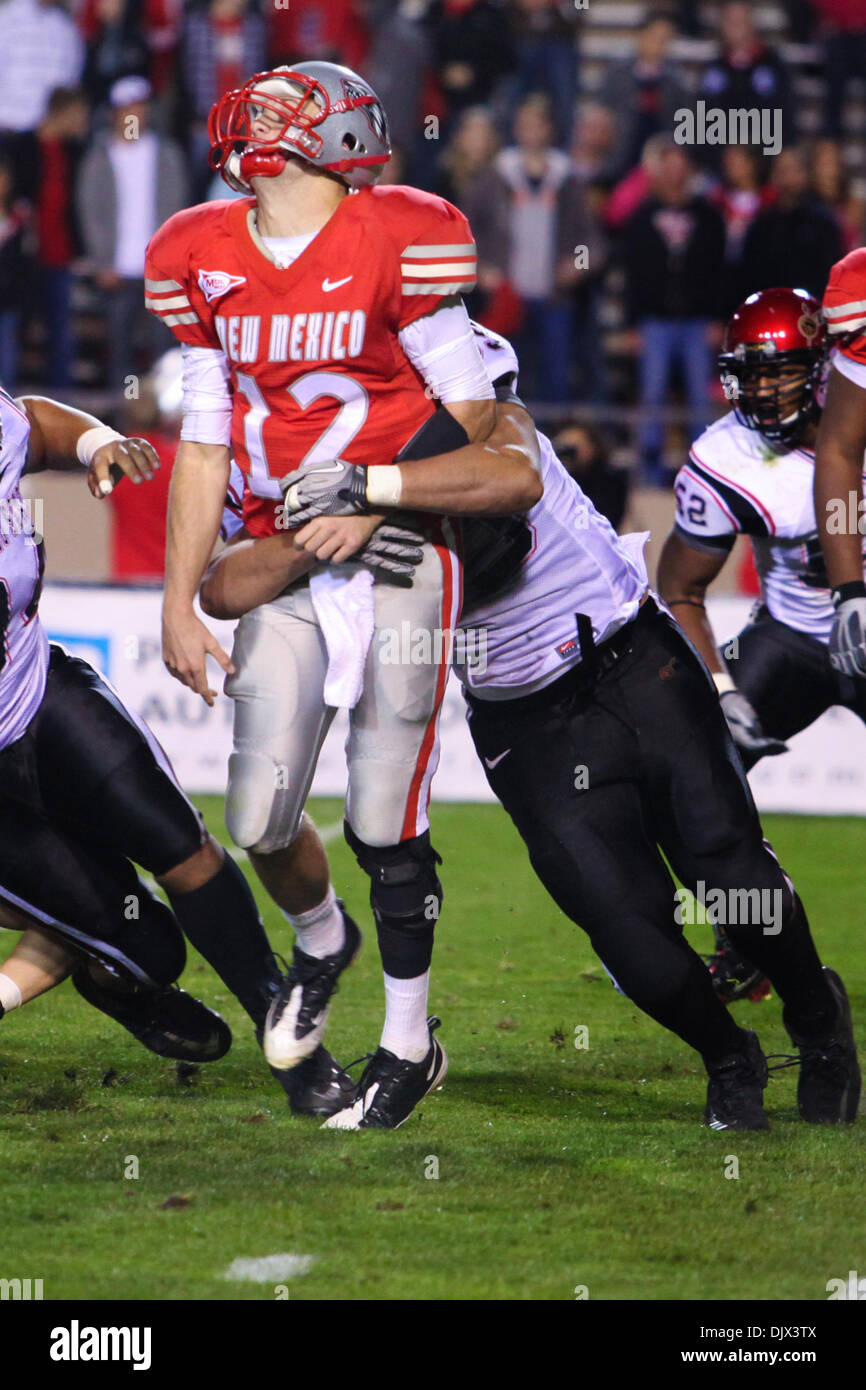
{"x": 10, "y": 994}
{"x": 405, "y": 1032}
{"x": 320, "y": 931}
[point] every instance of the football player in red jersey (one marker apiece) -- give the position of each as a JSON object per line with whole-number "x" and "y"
{"x": 321, "y": 319}
{"x": 839, "y": 458}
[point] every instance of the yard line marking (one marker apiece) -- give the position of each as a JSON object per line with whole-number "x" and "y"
{"x": 270, "y": 1268}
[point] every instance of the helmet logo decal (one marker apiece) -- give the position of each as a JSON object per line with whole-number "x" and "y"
{"x": 372, "y": 110}
{"x": 808, "y": 326}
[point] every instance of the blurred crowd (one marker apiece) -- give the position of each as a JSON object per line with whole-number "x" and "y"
{"x": 609, "y": 253}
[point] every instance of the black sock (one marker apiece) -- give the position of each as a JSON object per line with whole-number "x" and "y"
{"x": 790, "y": 961}
{"x": 406, "y": 952}
{"x": 223, "y": 923}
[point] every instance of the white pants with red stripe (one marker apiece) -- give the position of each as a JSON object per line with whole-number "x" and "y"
{"x": 281, "y": 720}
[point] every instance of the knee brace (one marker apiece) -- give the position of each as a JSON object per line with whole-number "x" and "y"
{"x": 261, "y": 815}
{"x": 406, "y": 898}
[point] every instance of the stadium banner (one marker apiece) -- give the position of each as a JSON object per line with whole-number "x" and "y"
{"x": 117, "y": 630}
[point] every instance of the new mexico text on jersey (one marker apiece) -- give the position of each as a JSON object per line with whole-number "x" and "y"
{"x": 317, "y": 371}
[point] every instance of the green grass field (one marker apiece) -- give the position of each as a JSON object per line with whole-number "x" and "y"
{"x": 557, "y": 1167}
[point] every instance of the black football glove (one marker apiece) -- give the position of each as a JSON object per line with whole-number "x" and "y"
{"x": 745, "y": 726}
{"x": 394, "y": 552}
{"x": 334, "y": 488}
{"x": 848, "y": 638}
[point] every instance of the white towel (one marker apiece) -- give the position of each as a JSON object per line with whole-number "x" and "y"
{"x": 345, "y": 609}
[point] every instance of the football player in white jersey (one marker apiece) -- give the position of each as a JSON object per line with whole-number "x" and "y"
{"x": 752, "y": 473}
{"x": 86, "y": 793}
{"x": 601, "y": 734}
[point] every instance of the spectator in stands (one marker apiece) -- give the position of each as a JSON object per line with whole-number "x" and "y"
{"x": 335, "y": 30}
{"x": 844, "y": 39}
{"x": 797, "y": 240}
{"x": 740, "y": 195}
{"x": 593, "y": 149}
{"x": 585, "y": 451}
{"x": 40, "y": 49}
{"x": 397, "y": 64}
{"x": 471, "y": 49}
{"x": 117, "y": 46}
{"x": 469, "y": 153}
{"x": 833, "y": 185}
{"x": 672, "y": 248}
{"x": 747, "y": 74}
{"x": 530, "y": 218}
{"x": 223, "y": 42}
{"x": 644, "y": 92}
{"x": 52, "y": 165}
{"x": 13, "y": 273}
{"x": 545, "y": 36}
{"x": 463, "y": 176}
{"x": 130, "y": 181}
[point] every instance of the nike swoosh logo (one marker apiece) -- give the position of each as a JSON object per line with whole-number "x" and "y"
{"x": 492, "y": 762}
{"x": 328, "y": 285}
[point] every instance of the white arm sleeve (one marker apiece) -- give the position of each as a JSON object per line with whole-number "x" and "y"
{"x": 207, "y": 398}
{"x": 444, "y": 349}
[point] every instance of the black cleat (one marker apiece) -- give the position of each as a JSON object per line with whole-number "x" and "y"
{"x": 299, "y": 1012}
{"x": 735, "y": 1094}
{"x": 318, "y": 1086}
{"x": 828, "y": 1090}
{"x": 734, "y": 977}
{"x": 391, "y": 1087}
{"x": 167, "y": 1021}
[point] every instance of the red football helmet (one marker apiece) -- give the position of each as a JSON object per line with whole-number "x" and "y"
{"x": 321, "y": 112}
{"x": 771, "y": 362}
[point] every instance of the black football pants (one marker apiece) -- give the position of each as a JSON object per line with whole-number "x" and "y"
{"x": 85, "y": 791}
{"x": 618, "y": 763}
{"x": 788, "y": 678}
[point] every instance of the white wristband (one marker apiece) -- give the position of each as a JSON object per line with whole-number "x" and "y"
{"x": 723, "y": 682}
{"x": 384, "y": 485}
{"x": 91, "y": 440}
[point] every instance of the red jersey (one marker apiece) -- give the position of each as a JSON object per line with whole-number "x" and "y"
{"x": 317, "y": 370}
{"x": 845, "y": 304}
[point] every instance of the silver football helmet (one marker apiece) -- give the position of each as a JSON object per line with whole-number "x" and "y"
{"x": 321, "y": 112}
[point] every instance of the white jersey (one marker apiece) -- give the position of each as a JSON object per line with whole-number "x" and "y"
{"x": 738, "y": 483}
{"x": 526, "y": 637}
{"x": 23, "y": 643}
